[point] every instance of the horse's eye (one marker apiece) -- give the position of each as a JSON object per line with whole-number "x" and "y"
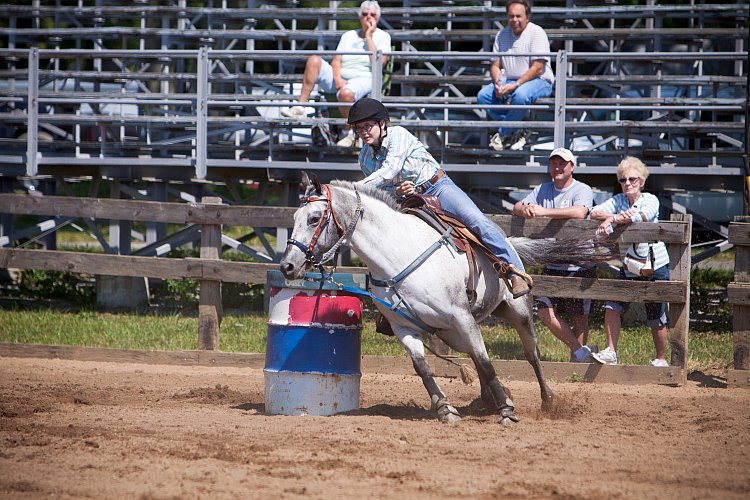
{"x": 313, "y": 220}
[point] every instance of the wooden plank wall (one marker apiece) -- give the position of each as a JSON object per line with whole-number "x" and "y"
{"x": 211, "y": 270}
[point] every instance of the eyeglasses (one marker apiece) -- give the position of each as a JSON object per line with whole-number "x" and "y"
{"x": 631, "y": 180}
{"x": 367, "y": 14}
{"x": 361, "y": 128}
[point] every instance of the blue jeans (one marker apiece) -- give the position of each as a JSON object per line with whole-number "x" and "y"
{"x": 525, "y": 94}
{"x": 656, "y": 312}
{"x": 455, "y": 201}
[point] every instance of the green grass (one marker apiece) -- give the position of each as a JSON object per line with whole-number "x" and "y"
{"x": 247, "y": 333}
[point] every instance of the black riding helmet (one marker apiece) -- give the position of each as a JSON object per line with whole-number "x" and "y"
{"x": 367, "y": 109}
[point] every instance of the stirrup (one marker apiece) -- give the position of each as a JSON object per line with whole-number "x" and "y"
{"x": 504, "y": 270}
{"x": 526, "y": 277}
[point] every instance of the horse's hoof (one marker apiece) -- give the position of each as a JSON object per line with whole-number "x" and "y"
{"x": 507, "y": 416}
{"x": 446, "y": 412}
{"x": 507, "y": 421}
{"x": 450, "y": 418}
{"x": 548, "y": 405}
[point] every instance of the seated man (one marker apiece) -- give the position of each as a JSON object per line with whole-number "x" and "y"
{"x": 349, "y": 75}
{"x": 528, "y": 77}
{"x": 563, "y": 198}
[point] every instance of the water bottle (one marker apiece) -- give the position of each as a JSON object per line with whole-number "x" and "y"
{"x": 503, "y": 78}
{"x": 609, "y": 230}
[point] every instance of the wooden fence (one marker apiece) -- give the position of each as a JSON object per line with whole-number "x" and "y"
{"x": 211, "y": 270}
{"x": 739, "y": 296}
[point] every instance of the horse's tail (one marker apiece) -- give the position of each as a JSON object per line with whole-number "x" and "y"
{"x": 549, "y": 251}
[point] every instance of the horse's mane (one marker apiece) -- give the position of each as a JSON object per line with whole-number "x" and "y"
{"x": 371, "y": 192}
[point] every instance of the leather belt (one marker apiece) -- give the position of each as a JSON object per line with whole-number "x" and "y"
{"x": 425, "y": 186}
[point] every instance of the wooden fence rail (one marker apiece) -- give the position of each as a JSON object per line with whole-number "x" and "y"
{"x": 211, "y": 270}
{"x": 738, "y": 294}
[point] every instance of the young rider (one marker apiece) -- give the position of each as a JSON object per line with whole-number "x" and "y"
{"x": 394, "y": 160}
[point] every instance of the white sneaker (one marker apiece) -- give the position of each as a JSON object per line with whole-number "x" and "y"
{"x": 660, "y": 363}
{"x": 518, "y": 140}
{"x": 348, "y": 141}
{"x": 496, "y": 142}
{"x": 605, "y": 357}
{"x": 297, "y": 111}
{"x": 582, "y": 355}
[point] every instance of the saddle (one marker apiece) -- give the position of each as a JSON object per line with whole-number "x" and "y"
{"x": 427, "y": 208}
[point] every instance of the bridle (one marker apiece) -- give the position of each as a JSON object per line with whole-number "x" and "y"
{"x": 328, "y": 215}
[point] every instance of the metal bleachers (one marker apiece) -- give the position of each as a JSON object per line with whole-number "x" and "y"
{"x": 180, "y": 93}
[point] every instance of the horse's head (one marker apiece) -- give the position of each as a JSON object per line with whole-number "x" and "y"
{"x": 316, "y": 229}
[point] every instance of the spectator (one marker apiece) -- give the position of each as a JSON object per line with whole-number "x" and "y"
{"x": 348, "y": 75}
{"x": 394, "y": 160}
{"x": 517, "y": 80}
{"x": 563, "y": 198}
{"x": 641, "y": 261}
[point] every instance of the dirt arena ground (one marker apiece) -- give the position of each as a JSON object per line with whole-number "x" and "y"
{"x": 73, "y": 429}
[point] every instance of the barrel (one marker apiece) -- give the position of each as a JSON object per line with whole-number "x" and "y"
{"x": 313, "y": 348}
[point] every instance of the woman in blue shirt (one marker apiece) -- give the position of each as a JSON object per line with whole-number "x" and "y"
{"x": 394, "y": 160}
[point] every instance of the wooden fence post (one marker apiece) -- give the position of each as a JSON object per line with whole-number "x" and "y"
{"x": 209, "y": 307}
{"x": 739, "y": 296}
{"x": 679, "y": 254}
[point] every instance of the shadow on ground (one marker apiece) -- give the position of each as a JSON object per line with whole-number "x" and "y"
{"x": 708, "y": 380}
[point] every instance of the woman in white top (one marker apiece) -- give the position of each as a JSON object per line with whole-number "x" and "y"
{"x": 633, "y": 205}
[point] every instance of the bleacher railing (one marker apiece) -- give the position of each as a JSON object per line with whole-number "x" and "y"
{"x": 100, "y": 102}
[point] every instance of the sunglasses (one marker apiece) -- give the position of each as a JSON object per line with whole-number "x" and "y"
{"x": 367, "y": 14}
{"x": 631, "y": 180}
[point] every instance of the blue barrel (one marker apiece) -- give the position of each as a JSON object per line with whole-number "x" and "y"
{"x": 313, "y": 349}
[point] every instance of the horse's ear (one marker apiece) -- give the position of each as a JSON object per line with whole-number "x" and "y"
{"x": 316, "y": 184}
{"x": 310, "y": 185}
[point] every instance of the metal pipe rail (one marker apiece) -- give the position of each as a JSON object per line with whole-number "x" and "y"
{"x": 154, "y": 99}
{"x": 411, "y": 35}
{"x": 401, "y": 55}
{"x": 458, "y": 12}
{"x": 428, "y": 123}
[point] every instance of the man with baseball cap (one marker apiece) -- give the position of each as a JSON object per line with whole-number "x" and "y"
{"x": 563, "y": 198}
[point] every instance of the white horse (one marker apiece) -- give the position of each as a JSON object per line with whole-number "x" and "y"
{"x": 430, "y": 288}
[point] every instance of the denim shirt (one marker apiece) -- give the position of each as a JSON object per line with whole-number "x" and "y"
{"x": 401, "y": 158}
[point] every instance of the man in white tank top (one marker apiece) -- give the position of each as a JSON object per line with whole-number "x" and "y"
{"x": 348, "y": 75}
{"x": 517, "y": 80}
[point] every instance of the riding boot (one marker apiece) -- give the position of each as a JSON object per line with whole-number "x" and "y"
{"x": 518, "y": 286}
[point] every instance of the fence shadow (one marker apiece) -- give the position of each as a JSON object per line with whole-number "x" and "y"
{"x": 707, "y": 380}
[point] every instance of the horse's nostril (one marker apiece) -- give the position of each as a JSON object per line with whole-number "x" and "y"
{"x": 286, "y": 268}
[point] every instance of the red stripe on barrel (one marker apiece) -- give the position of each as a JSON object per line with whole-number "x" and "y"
{"x": 320, "y": 309}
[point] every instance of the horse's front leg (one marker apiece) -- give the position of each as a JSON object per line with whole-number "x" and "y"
{"x": 412, "y": 342}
